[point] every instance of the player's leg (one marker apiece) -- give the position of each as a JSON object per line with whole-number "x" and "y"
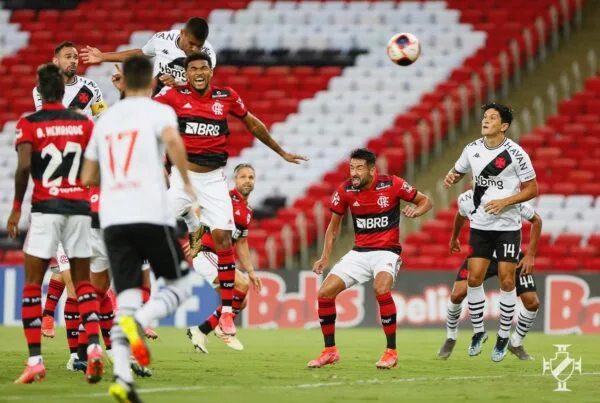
{"x": 146, "y": 293}
{"x": 182, "y": 207}
{"x": 100, "y": 279}
{"x": 453, "y": 311}
{"x": 526, "y": 290}
{"x": 55, "y": 290}
{"x": 240, "y": 291}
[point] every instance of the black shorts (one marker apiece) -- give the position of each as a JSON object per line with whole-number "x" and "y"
{"x": 129, "y": 245}
{"x": 505, "y": 244}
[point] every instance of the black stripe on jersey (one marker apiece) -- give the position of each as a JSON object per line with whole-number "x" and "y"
{"x": 45, "y": 115}
{"x": 61, "y": 206}
{"x": 82, "y": 98}
{"x": 198, "y": 126}
{"x": 371, "y": 223}
{"x": 395, "y": 249}
{"x": 215, "y": 160}
{"x": 490, "y": 169}
{"x": 39, "y": 165}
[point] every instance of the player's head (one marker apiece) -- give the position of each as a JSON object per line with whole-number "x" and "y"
{"x": 193, "y": 35}
{"x": 496, "y": 119}
{"x": 198, "y": 70}
{"x": 67, "y": 58}
{"x": 362, "y": 167}
{"x": 50, "y": 83}
{"x": 244, "y": 178}
{"x": 137, "y": 74}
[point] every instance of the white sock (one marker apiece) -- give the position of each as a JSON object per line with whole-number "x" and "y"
{"x": 452, "y": 316}
{"x": 34, "y": 360}
{"x": 165, "y": 301}
{"x": 508, "y": 302}
{"x": 225, "y": 309}
{"x": 524, "y": 323}
{"x": 90, "y": 347}
{"x": 74, "y": 355}
{"x": 121, "y": 352}
{"x": 191, "y": 220}
{"x": 476, "y": 300}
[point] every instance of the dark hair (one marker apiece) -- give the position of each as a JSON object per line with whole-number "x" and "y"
{"x": 243, "y": 165}
{"x": 50, "y": 83}
{"x": 137, "y": 72}
{"x": 197, "y": 56}
{"x": 364, "y": 154}
{"x": 197, "y": 27}
{"x": 62, "y": 45}
{"x": 505, "y": 112}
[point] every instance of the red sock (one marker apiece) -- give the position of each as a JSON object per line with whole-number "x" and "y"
{"x": 89, "y": 309}
{"x": 72, "y": 320}
{"x": 31, "y": 314}
{"x": 387, "y": 311}
{"x": 106, "y": 317}
{"x": 212, "y": 321}
{"x": 55, "y": 290}
{"x": 82, "y": 342}
{"x": 238, "y": 300}
{"x": 226, "y": 275}
{"x": 327, "y": 316}
{"x": 145, "y": 293}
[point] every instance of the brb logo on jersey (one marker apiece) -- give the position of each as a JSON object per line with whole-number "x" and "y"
{"x": 372, "y": 223}
{"x": 491, "y": 181}
{"x": 202, "y": 129}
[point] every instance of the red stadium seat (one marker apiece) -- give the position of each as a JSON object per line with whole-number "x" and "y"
{"x": 592, "y": 264}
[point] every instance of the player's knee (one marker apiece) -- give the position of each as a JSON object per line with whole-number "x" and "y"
{"x": 326, "y": 292}
{"x": 474, "y": 281}
{"x": 531, "y": 302}
{"x": 507, "y": 284}
{"x": 381, "y": 289}
{"x": 57, "y": 277}
{"x": 242, "y": 284}
{"x": 458, "y": 296}
{"x": 223, "y": 242}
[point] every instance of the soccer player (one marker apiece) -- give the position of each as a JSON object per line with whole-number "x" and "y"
{"x": 168, "y": 48}
{"x": 202, "y": 111}
{"x": 50, "y": 145}
{"x": 125, "y": 156}
{"x": 504, "y": 178}
{"x": 374, "y": 202}
{"x": 526, "y": 288}
{"x": 206, "y": 262}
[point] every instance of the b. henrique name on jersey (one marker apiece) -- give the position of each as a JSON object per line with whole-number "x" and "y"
{"x": 203, "y": 120}
{"x": 375, "y": 211}
{"x": 497, "y": 173}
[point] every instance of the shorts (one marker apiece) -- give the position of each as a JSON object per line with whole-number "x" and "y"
{"x": 47, "y": 231}
{"x": 206, "y": 265}
{"x": 504, "y": 245}
{"x": 213, "y": 196}
{"x": 62, "y": 261}
{"x": 359, "y": 267}
{"x": 99, "y": 261}
{"x": 129, "y": 245}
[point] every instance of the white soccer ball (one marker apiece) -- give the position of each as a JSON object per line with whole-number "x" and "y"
{"x": 403, "y": 49}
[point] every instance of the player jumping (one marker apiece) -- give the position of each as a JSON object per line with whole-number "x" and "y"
{"x": 504, "y": 178}
{"x": 374, "y": 202}
{"x": 526, "y": 288}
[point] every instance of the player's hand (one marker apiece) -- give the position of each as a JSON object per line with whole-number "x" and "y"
{"x": 117, "y": 79}
{"x": 320, "y": 265}
{"x": 293, "y": 158}
{"x": 168, "y": 80}
{"x": 255, "y": 280}
{"x": 495, "y": 207}
{"x": 452, "y": 178}
{"x": 90, "y": 55}
{"x": 455, "y": 246}
{"x": 410, "y": 212}
{"x": 526, "y": 265}
{"x": 13, "y": 223}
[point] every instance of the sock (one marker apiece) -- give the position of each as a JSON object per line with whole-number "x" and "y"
{"x": 452, "y": 316}
{"x": 238, "y": 300}
{"x": 226, "y": 275}
{"x": 89, "y": 308}
{"x": 146, "y": 290}
{"x": 508, "y": 301}
{"x": 387, "y": 311}
{"x": 165, "y": 301}
{"x": 191, "y": 220}
{"x": 55, "y": 290}
{"x": 106, "y": 317}
{"x": 72, "y": 319}
{"x": 31, "y": 314}
{"x": 34, "y": 359}
{"x": 212, "y": 321}
{"x": 524, "y": 323}
{"x": 476, "y": 300}
{"x": 128, "y": 302}
{"x": 327, "y": 316}
{"x": 82, "y": 342}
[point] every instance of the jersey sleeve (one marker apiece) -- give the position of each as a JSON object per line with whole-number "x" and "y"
{"x": 164, "y": 119}
{"x": 463, "y": 165}
{"x": 238, "y": 109}
{"x": 527, "y": 211}
{"x": 339, "y": 203}
{"x": 149, "y": 49}
{"x": 23, "y": 133}
{"x": 166, "y": 96}
{"x": 524, "y": 167}
{"x": 405, "y": 191}
{"x": 98, "y": 104}
{"x": 91, "y": 151}
{"x": 37, "y": 99}
{"x": 463, "y": 207}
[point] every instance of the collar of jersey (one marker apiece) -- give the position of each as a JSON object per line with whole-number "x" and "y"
{"x": 499, "y": 145}
{"x": 53, "y": 106}
{"x": 177, "y": 42}
{"x": 239, "y": 195}
{"x": 74, "y": 81}
{"x": 196, "y": 93}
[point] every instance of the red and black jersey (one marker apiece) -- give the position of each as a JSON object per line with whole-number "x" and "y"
{"x": 203, "y": 120}
{"x": 59, "y": 137}
{"x": 375, "y": 211}
{"x": 242, "y": 214}
{"x": 95, "y": 205}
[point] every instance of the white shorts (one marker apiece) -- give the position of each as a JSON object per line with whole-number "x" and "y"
{"x": 206, "y": 264}
{"x": 47, "y": 231}
{"x": 99, "y": 261}
{"x": 213, "y": 195}
{"x": 62, "y": 260}
{"x": 359, "y": 267}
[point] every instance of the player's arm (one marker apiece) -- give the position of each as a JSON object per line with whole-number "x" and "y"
{"x": 529, "y": 190}
{"x": 333, "y": 230}
{"x": 90, "y": 173}
{"x": 260, "y": 131}
{"x": 526, "y": 264}
{"x": 91, "y": 55}
{"x": 243, "y": 253}
{"x": 457, "y": 226}
{"x": 21, "y": 181}
{"x": 422, "y": 205}
{"x": 458, "y": 171}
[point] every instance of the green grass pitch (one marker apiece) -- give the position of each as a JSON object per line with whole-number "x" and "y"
{"x": 273, "y": 369}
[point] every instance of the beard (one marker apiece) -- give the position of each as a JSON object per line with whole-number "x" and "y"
{"x": 70, "y": 73}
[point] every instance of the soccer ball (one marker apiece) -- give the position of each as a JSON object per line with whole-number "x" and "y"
{"x": 403, "y": 49}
